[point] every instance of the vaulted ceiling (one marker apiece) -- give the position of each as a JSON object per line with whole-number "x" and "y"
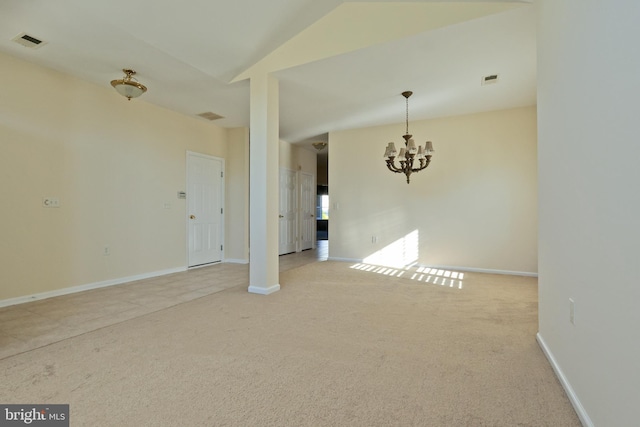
{"x": 341, "y": 64}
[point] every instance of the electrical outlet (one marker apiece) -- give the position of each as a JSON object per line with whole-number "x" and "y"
{"x": 50, "y": 202}
{"x": 572, "y": 311}
{"x": 374, "y": 239}
{"x": 106, "y": 251}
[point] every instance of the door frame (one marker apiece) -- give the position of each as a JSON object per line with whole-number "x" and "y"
{"x": 222, "y": 204}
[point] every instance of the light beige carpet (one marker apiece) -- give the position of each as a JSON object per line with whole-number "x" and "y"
{"x": 335, "y": 347}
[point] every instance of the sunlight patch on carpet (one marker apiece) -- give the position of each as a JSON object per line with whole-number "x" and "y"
{"x": 435, "y": 276}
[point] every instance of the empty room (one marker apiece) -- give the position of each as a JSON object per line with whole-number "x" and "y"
{"x": 303, "y": 213}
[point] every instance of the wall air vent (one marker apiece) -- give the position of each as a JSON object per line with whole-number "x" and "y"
{"x": 490, "y": 79}
{"x": 29, "y": 41}
{"x": 210, "y": 116}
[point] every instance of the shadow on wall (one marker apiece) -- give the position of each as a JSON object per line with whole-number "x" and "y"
{"x": 399, "y": 259}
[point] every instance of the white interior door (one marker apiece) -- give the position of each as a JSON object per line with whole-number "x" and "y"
{"x": 288, "y": 205}
{"x": 205, "y": 190}
{"x": 307, "y": 211}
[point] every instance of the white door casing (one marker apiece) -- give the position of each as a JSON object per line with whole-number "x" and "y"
{"x": 307, "y": 210}
{"x": 205, "y": 199}
{"x": 288, "y": 205}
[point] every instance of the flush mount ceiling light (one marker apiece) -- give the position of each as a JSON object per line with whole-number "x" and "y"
{"x": 128, "y": 86}
{"x": 410, "y": 153}
{"x": 319, "y": 145}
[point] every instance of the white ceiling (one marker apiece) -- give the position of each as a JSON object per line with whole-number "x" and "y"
{"x": 188, "y": 52}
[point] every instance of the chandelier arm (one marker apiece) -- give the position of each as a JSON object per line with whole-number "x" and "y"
{"x": 421, "y": 167}
{"x": 424, "y": 163}
{"x": 392, "y": 167}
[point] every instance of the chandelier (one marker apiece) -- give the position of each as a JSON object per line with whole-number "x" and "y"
{"x": 128, "y": 86}
{"x": 410, "y": 153}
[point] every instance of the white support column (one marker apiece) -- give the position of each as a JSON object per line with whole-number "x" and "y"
{"x": 264, "y": 188}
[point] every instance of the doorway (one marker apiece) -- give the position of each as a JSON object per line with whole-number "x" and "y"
{"x": 307, "y": 208}
{"x": 322, "y": 212}
{"x": 296, "y": 219}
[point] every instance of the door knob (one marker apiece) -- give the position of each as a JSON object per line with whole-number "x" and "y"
{"x": 192, "y": 216}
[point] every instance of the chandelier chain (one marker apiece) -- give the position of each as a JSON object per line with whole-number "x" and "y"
{"x": 407, "y": 116}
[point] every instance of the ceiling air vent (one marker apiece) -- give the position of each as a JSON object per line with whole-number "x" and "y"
{"x": 29, "y": 41}
{"x": 210, "y": 116}
{"x": 490, "y": 79}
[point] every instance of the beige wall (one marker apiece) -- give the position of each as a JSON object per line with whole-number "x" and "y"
{"x": 297, "y": 158}
{"x": 237, "y": 196}
{"x": 306, "y": 161}
{"x": 590, "y": 204}
{"x": 112, "y": 163}
{"x": 474, "y": 207}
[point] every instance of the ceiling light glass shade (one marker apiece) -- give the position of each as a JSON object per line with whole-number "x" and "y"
{"x": 320, "y": 145}
{"x": 127, "y": 87}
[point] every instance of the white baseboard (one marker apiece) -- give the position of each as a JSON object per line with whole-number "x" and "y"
{"x": 236, "y": 261}
{"x": 264, "y": 291}
{"x": 89, "y": 286}
{"x": 482, "y": 270}
{"x": 343, "y": 259}
{"x": 571, "y": 394}
{"x": 452, "y": 268}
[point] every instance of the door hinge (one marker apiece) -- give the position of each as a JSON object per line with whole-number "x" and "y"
{"x": 221, "y": 210}
{"x": 220, "y": 247}
{"x": 221, "y": 174}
